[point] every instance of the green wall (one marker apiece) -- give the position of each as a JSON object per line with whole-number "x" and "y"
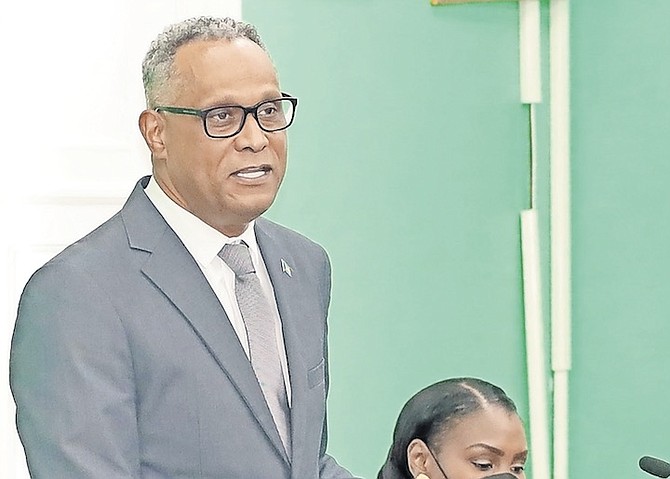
{"x": 409, "y": 163}
{"x": 621, "y": 237}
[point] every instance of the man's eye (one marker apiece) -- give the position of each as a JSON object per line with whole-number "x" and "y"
{"x": 220, "y": 116}
{"x": 223, "y": 115}
{"x": 482, "y": 466}
{"x": 268, "y": 110}
{"x": 518, "y": 469}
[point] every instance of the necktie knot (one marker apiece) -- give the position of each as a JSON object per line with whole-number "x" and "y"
{"x": 238, "y": 258}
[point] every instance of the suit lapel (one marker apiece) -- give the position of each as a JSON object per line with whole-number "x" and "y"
{"x": 176, "y": 274}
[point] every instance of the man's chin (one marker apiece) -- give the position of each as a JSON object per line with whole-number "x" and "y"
{"x": 249, "y": 212}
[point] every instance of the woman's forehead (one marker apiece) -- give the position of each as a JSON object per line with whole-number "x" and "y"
{"x": 491, "y": 425}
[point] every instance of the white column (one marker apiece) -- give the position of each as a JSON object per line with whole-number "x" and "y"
{"x": 561, "y": 295}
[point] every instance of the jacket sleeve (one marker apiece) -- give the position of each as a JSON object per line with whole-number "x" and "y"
{"x": 71, "y": 375}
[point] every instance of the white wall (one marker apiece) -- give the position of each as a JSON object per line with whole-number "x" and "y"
{"x": 70, "y": 74}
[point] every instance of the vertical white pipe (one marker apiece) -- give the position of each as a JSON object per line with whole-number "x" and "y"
{"x": 561, "y": 418}
{"x": 535, "y": 345}
{"x": 530, "y": 82}
{"x": 529, "y": 51}
{"x": 559, "y": 47}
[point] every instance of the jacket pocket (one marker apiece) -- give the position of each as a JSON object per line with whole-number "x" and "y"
{"x": 315, "y": 376}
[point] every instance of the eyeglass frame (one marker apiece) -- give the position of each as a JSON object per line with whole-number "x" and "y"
{"x": 250, "y": 110}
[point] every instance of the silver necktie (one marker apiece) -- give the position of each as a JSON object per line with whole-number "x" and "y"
{"x": 258, "y": 320}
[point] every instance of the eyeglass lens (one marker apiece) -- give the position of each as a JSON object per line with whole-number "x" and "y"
{"x": 271, "y": 116}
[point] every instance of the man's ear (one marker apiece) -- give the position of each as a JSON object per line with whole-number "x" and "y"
{"x": 417, "y": 457}
{"x": 151, "y": 125}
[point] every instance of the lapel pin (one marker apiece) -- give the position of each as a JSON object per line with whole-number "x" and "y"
{"x": 286, "y": 268}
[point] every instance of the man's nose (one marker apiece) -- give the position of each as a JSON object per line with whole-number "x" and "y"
{"x": 251, "y": 135}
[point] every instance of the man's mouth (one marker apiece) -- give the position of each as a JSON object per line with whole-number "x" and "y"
{"x": 253, "y": 172}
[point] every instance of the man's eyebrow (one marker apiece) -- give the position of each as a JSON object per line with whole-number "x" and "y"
{"x": 229, "y": 101}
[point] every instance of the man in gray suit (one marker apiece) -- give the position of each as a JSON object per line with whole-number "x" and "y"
{"x": 186, "y": 336}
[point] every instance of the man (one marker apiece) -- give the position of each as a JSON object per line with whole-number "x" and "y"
{"x": 186, "y": 336}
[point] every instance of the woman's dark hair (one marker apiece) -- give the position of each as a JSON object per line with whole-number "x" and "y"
{"x": 433, "y": 411}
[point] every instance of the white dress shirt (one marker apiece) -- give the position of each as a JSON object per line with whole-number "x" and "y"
{"x": 204, "y": 243}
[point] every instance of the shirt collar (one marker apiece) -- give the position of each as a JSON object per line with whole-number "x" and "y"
{"x": 199, "y": 238}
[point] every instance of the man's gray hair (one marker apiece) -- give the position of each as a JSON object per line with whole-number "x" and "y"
{"x": 158, "y": 64}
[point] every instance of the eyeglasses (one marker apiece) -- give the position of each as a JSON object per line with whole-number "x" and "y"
{"x": 227, "y": 121}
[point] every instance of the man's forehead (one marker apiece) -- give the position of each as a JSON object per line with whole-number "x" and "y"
{"x": 223, "y": 57}
{"x": 212, "y": 72}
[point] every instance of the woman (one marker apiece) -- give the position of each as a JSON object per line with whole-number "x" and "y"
{"x": 461, "y": 428}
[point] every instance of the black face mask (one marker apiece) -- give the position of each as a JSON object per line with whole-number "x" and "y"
{"x": 504, "y": 475}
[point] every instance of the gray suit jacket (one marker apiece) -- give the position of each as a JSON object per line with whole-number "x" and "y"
{"x": 124, "y": 364}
